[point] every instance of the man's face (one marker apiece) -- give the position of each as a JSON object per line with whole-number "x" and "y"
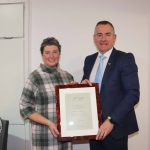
{"x": 104, "y": 37}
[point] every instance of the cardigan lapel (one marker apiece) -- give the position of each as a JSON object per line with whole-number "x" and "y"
{"x": 109, "y": 66}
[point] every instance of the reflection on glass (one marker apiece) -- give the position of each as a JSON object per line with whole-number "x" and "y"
{"x": 78, "y": 111}
{"x": 71, "y": 123}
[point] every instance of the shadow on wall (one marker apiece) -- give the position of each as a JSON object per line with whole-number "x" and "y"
{"x": 77, "y": 75}
{"x": 16, "y": 143}
{"x": 136, "y": 133}
{"x": 75, "y": 67}
{"x": 132, "y": 135}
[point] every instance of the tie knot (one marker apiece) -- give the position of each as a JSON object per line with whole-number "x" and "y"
{"x": 102, "y": 57}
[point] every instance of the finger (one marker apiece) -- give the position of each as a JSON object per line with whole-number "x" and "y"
{"x": 100, "y": 135}
{"x": 56, "y": 131}
{"x": 70, "y": 83}
{"x": 104, "y": 136}
{"x": 83, "y": 82}
{"x": 97, "y": 137}
{"x": 86, "y": 82}
{"x": 73, "y": 82}
{"x": 54, "y": 134}
{"x": 89, "y": 83}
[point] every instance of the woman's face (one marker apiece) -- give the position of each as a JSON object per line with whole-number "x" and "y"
{"x": 51, "y": 55}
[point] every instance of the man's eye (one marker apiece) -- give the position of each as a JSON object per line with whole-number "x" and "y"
{"x": 108, "y": 34}
{"x": 99, "y": 35}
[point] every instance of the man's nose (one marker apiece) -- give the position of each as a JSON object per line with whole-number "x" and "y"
{"x": 103, "y": 37}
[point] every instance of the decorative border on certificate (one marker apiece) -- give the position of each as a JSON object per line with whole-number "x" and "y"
{"x": 78, "y": 111}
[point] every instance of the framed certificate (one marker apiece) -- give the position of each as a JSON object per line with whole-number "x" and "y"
{"x": 78, "y": 111}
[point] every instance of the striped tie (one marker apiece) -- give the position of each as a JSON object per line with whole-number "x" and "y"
{"x": 99, "y": 73}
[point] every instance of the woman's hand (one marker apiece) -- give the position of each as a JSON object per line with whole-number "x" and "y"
{"x": 73, "y": 83}
{"x": 36, "y": 117}
{"x": 53, "y": 129}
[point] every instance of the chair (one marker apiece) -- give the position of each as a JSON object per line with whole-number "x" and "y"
{"x": 3, "y": 134}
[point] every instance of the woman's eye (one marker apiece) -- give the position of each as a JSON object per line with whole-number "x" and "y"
{"x": 55, "y": 52}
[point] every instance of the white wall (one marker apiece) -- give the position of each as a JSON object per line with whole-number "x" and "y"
{"x": 148, "y": 74}
{"x": 14, "y": 22}
{"x": 73, "y": 22}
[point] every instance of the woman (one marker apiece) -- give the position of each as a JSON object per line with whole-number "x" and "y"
{"x": 38, "y": 101}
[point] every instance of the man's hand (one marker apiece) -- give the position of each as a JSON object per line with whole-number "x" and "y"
{"x": 86, "y": 81}
{"x": 104, "y": 130}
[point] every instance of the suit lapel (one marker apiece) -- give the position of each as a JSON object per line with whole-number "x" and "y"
{"x": 91, "y": 64}
{"x": 109, "y": 66}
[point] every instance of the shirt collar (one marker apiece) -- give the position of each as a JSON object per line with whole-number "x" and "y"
{"x": 107, "y": 54}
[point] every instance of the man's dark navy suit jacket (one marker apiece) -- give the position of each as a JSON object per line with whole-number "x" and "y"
{"x": 119, "y": 91}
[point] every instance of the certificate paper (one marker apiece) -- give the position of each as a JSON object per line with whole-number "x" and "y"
{"x": 78, "y": 116}
{"x": 78, "y": 111}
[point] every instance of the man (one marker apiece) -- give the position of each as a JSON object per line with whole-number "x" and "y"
{"x": 119, "y": 89}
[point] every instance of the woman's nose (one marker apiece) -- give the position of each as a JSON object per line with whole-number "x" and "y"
{"x": 51, "y": 55}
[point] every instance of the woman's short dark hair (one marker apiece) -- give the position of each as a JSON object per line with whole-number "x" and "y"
{"x": 50, "y": 41}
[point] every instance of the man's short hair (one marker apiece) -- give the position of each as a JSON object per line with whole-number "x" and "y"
{"x": 104, "y": 22}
